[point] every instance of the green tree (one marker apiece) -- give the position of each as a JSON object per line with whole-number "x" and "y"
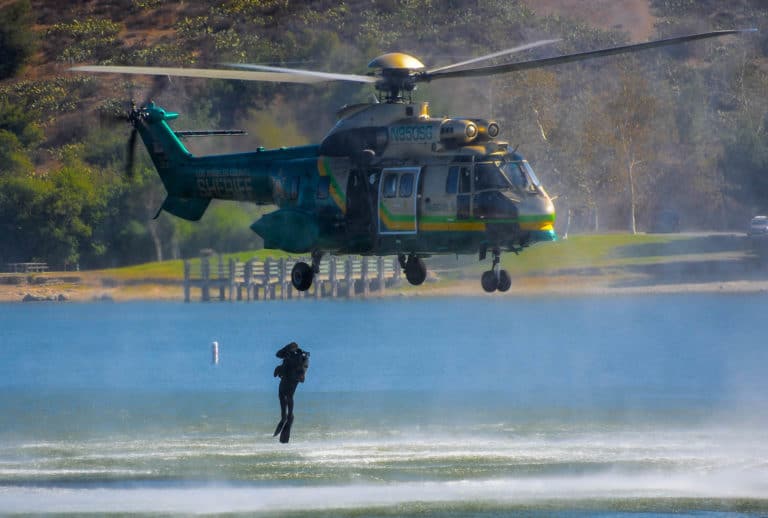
{"x": 51, "y": 217}
{"x": 13, "y": 159}
{"x": 745, "y": 162}
{"x": 17, "y": 40}
{"x": 585, "y": 174}
{"x": 224, "y": 228}
{"x": 129, "y": 229}
{"x": 16, "y": 120}
{"x": 637, "y": 131}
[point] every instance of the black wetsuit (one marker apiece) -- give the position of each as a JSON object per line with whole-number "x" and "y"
{"x": 291, "y": 372}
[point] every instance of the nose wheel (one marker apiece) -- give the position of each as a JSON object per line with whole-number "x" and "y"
{"x": 302, "y": 274}
{"x": 415, "y": 269}
{"x": 496, "y": 278}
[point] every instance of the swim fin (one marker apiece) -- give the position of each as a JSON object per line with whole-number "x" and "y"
{"x": 279, "y": 427}
{"x": 285, "y": 433}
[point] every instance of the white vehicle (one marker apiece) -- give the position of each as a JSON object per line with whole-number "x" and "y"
{"x": 758, "y": 226}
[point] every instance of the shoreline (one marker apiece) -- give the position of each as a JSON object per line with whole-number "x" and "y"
{"x": 93, "y": 290}
{"x": 589, "y": 265}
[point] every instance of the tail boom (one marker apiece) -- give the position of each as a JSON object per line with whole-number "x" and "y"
{"x": 192, "y": 181}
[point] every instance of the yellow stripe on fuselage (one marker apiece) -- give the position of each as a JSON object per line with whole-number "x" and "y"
{"x": 333, "y": 190}
{"x": 406, "y": 225}
{"x": 538, "y": 225}
{"x": 467, "y": 226}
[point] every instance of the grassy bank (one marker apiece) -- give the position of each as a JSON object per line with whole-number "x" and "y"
{"x": 608, "y": 261}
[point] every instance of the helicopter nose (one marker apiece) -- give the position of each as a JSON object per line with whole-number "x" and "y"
{"x": 539, "y": 221}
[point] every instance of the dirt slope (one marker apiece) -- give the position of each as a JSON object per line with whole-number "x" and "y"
{"x": 631, "y": 16}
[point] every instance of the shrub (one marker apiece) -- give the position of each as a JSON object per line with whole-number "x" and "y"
{"x": 17, "y": 41}
{"x": 92, "y": 39}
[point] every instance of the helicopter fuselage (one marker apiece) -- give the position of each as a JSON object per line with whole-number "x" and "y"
{"x": 413, "y": 186}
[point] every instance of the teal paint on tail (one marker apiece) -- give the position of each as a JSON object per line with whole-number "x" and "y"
{"x": 170, "y": 157}
{"x": 164, "y": 147}
{"x": 191, "y": 209}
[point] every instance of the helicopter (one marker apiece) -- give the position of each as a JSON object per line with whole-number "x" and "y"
{"x": 387, "y": 179}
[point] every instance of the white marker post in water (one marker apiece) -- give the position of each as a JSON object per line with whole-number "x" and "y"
{"x": 214, "y": 353}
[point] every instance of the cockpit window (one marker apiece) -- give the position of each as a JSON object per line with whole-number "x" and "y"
{"x": 531, "y": 174}
{"x": 465, "y": 180}
{"x": 489, "y": 176}
{"x": 517, "y": 175}
{"x": 521, "y": 175}
{"x": 451, "y": 183}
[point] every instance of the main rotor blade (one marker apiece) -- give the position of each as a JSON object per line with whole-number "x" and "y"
{"x": 319, "y": 76}
{"x": 208, "y": 73}
{"x": 539, "y": 63}
{"x": 494, "y": 55}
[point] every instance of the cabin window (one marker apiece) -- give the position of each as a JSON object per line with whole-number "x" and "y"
{"x": 323, "y": 185}
{"x": 389, "y": 189}
{"x": 465, "y": 180}
{"x": 406, "y": 185}
{"x": 490, "y": 204}
{"x": 294, "y": 187}
{"x": 489, "y": 176}
{"x": 451, "y": 183}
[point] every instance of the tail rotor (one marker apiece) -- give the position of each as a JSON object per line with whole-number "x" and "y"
{"x": 134, "y": 116}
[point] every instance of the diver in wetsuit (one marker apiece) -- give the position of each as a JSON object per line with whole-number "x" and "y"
{"x": 292, "y": 372}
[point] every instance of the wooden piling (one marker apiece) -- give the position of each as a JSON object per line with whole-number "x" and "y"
{"x": 232, "y": 282}
{"x": 222, "y": 289}
{"x": 380, "y": 272}
{"x": 248, "y": 278}
{"x": 364, "y": 277}
{"x": 349, "y": 279}
{"x": 281, "y": 277}
{"x": 187, "y": 280}
{"x": 272, "y": 276}
{"x": 332, "y": 277}
{"x": 205, "y": 275}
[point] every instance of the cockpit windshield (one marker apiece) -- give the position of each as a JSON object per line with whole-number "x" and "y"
{"x": 502, "y": 175}
{"x": 529, "y": 171}
{"x": 522, "y": 176}
{"x": 488, "y": 175}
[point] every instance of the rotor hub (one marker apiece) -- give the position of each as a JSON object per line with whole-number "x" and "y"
{"x": 397, "y": 76}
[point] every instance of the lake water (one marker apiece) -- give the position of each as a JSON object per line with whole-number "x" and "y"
{"x": 487, "y": 406}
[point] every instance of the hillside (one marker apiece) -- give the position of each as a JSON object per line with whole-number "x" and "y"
{"x": 635, "y": 17}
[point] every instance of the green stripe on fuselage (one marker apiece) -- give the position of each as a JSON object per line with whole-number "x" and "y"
{"x": 336, "y": 192}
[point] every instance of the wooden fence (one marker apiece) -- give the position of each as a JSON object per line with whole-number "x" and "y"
{"x": 26, "y": 267}
{"x": 271, "y": 278}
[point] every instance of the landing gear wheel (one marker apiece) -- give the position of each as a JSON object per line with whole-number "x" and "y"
{"x": 301, "y": 276}
{"x": 505, "y": 282}
{"x": 415, "y": 270}
{"x": 489, "y": 281}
